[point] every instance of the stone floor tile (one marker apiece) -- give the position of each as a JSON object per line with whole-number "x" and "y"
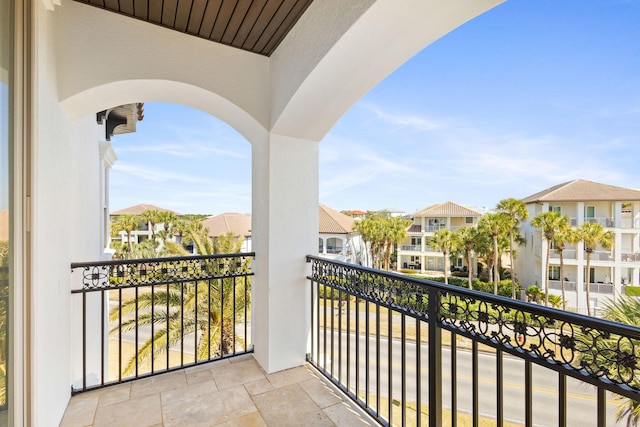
{"x": 187, "y": 393}
{"x": 80, "y": 411}
{"x": 209, "y": 409}
{"x": 290, "y": 376}
{"x": 199, "y": 412}
{"x": 198, "y": 374}
{"x": 251, "y": 420}
{"x": 321, "y": 393}
{"x": 241, "y": 358}
{"x": 288, "y": 405}
{"x": 115, "y": 394}
{"x": 345, "y": 414}
{"x": 140, "y": 412}
{"x": 236, "y": 374}
{"x": 258, "y": 387}
{"x": 158, "y": 384}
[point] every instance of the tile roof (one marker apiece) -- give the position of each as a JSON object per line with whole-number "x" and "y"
{"x": 138, "y": 209}
{"x": 447, "y": 209}
{"x": 581, "y": 190}
{"x": 230, "y": 222}
{"x": 334, "y": 222}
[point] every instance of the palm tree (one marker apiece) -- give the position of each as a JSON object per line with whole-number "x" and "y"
{"x": 496, "y": 224}
{"x": 516, "y": 212}
{"x": 592, "y": 235}
{"x": 371, "y": 230}
{"x": 206, "y": 308}
{"x": 563, "y": 236}
{"x": 127, "y": 223}
{"x": 623, "y": 309}
{"x": 446, "y": 242}
{"x": 152, "y": 217}
{"x": 550, "y": 223}
{"x": 394, "y": 229}
{"x": 466, "y": 238}
{"x": 168, "y": 220}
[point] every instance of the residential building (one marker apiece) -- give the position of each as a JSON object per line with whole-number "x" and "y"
{"x": 615, "y": 208}
{"x": 414, "y": 252}
{"x": 282, "y": 76}
{"x": 390, "y": 212}
{"x": 145, "y": 231}
{"x": 356, "y": 214}
{"x": 337, "y": 239}
{"x": 236, "y": 223}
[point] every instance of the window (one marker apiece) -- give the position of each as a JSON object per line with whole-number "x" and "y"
{"x": 589, "y": 212}
{"x": 554, "y": 272}
{"x": 6, "y": 141}
{"x": 334, "y": 246}
{"x": 320, "y": 245}
{"x": 557, "y": 209}
{"x": 468, "y": 220}
{"x": 416, "y": 241}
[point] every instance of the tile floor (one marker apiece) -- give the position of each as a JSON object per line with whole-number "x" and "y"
{"x": 230, "y": 392}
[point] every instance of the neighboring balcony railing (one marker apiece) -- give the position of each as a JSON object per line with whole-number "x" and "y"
{"x": 566, "y": 254}
{"x": 149, "y": 316}
{"x": 394, "y": 343}
{"x": 417, "y": 248}
{"x": 601, "y": 256}
{"x": 605, "y": 222}
{"x": 568, "y": 286}
{"x": 630, "y": 223}
{"x": 600, "y": 288}
{"x": 630, "y": 257}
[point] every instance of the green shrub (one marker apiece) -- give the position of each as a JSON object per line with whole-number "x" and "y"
{"x": 332, "y": 291}
{"x": 632, "y": 291}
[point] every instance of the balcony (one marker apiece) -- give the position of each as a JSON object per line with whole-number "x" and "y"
{"x": 630, "y": 223}
{"x": 568, "y": 286}
{"x": 415, "y": 248}
{"x": 382, "y": 347}
{"x": 603, "y": 221}
{"x": 630, "y": 257}
{"x": 566, "y": 254}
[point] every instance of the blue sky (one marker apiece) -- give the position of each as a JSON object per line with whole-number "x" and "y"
{"x": 529, "y": 95}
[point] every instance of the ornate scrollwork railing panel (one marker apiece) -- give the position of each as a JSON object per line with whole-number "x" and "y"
{"x": 601, "y": 352}
{"x": 142, "y": 272}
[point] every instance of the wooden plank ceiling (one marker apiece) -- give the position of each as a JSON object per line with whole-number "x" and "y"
{"x": 254, "y": 25}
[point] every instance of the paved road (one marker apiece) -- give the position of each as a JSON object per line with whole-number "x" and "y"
{"x": 581, "y": 402}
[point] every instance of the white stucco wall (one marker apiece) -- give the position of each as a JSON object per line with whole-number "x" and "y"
{"x": 66, "y": 215}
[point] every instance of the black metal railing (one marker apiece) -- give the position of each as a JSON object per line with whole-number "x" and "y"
{"x": 413, "y": 352}
{"x": 149, "y": 316}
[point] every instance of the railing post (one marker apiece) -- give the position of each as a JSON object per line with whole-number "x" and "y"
{"x": 435, "y": 360}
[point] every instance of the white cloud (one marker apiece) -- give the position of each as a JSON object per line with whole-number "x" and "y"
{"x": 187, "y": 149}
{"x": 151, "y": 174}
{"x": 413, "y": 121}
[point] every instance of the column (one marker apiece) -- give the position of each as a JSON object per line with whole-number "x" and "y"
{"x": 284, "y": 230}
{"x": 617, "y": 214}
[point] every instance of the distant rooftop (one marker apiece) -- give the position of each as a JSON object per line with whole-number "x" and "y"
{"x": 581, "y": 190}
{"x": 230, "y": 222}
{"x": 447, "y": 209}
{"x": 334, "y": 222}
{"x": 139, "y": 209}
